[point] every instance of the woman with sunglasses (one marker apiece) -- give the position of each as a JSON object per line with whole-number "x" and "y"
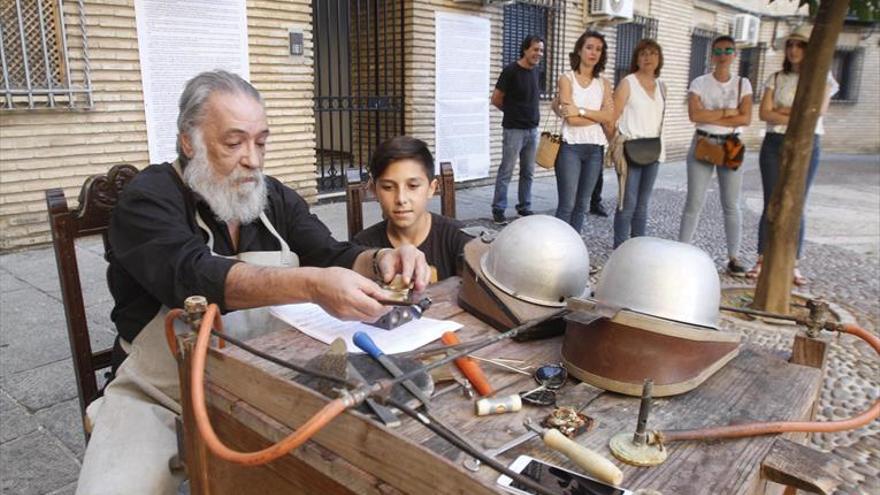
{"x": 585, "y": 105}
{"x": 639, "y": 103}
{"x": 720, "y": 104}
{"x": 775, "y": 108}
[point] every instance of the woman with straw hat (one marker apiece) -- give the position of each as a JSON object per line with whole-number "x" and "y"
{"x": 779, "y": 92}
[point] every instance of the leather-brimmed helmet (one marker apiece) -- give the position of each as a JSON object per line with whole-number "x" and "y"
{"x": 662, "y": 278}
{"x": 539, "y": 259}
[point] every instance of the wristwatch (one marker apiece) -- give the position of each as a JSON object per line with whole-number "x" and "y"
{"x": 582, "y": 112}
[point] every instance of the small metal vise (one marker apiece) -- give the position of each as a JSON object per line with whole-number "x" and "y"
{"x": 402, "y": 314}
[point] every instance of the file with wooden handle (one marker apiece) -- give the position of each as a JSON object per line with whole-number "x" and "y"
{"x": 593, "y": 463}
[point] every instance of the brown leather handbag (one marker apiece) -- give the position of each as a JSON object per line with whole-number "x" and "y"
{"x": 727, "y": 154}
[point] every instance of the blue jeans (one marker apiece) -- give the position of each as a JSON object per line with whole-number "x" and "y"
{"x": 578, "y": 167}
{"x": 632, "y": 220}
{"x": 522, "y": 143}
{"x": 730, "y": 182}
{"x": 770, "y": 160}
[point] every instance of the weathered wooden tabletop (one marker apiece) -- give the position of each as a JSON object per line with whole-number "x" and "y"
{"x": 365, "y": 457}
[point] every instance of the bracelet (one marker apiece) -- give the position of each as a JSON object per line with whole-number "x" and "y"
{"x": 376, "y": 272}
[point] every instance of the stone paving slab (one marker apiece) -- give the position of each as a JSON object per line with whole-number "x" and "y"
{"x": 16, "y": 420}
{"x": 42, "y": 387}
{"x": 34, "y": 332}
{"x": 63, "y": 421}
{"x": 40, "y": 464}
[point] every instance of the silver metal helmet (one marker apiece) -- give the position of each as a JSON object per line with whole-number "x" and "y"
{"x": 663, "y": 278}
{"x": 539, "y": 259}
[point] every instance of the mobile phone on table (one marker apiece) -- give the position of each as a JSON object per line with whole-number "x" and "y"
{"x": 555, "y": 479}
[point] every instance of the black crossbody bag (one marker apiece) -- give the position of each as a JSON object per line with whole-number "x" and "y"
{"x": 645, "y": 151}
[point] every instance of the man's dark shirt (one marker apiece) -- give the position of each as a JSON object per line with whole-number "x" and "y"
{"x": 521, "y": 96}
{"x": 443, "y": 247}
{"x": 159, "y": 254}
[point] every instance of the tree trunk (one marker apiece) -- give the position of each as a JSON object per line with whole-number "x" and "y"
{"x": 773, "y": 292}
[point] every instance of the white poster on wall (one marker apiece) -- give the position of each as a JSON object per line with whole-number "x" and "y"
{"x": 176, "y": 41}
{"x": 461, "y": 107}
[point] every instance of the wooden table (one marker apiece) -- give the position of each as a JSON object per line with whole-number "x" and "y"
{"x": 253, "y": 403}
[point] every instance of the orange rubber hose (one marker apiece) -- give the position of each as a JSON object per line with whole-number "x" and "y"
{"x": 203, "y": 422}
{"x": 755, "y": 429}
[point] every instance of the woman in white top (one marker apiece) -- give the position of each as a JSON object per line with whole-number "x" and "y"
{"x": 714, "y": 107}
{"x": 776, "y": 104}
{"x": 585, "y": 105}
{"x": 639, "y": 102}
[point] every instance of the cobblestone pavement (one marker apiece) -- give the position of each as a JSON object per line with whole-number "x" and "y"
{"x": 41, "y": 441}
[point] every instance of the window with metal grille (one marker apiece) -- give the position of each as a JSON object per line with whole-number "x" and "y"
{"x": 44, "y": 55}
{"x": 628, "y": 36}
{"x": 750, "y": 67}
{"x": 701, "y": 45}
{"x": 544, "y": 18}
{"x": 847, "y": 70}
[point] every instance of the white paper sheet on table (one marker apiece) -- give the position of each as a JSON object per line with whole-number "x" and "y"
{"x": 313, "y": 321}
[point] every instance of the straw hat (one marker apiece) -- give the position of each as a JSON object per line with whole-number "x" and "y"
{"x": 800, "y": 33}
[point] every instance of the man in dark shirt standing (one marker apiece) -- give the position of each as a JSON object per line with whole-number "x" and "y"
{"x": 517, "y": 95}
{"x": 212, "y": 224}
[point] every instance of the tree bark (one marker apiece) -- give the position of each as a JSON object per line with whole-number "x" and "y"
{"x": 784, "y": 212}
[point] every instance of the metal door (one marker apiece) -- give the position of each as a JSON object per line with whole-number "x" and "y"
{"x": 358, "y": 83}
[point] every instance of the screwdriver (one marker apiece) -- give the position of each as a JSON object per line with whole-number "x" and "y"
{"x": 469, "y": 368}
{"x": 366, "y": 344}
{"x": 590, "y": 461}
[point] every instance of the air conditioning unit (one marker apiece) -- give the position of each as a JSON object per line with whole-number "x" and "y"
{"x": 617, "y": 9}
{"x": 745, "y": 29}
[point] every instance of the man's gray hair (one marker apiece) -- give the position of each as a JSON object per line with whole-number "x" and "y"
{"x": 196, "y": 93}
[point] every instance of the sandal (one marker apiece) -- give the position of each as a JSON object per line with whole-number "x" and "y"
{"x": 755, "y": 271}
{"x": 798, "y": 278}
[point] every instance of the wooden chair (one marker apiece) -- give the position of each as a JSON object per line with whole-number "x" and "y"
{"x": 97, "y": 198}
{"x": 357, "y": 191}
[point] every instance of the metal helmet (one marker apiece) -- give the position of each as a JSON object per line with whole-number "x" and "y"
{"x": 663, "y": 278}
{"x": 539, "y": 259}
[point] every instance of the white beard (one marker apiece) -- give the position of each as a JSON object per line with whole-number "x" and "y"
{"x": 230, "y": 199}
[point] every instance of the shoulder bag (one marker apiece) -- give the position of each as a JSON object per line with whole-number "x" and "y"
{"x": 645, "y": 151}
{"x": 548, "y": 145}
{"x": 729, "y": 153}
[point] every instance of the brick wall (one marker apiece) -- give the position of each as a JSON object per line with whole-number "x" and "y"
{"x": 42, "y": 149}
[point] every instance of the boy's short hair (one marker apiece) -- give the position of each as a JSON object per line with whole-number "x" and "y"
{"x": 401, "y": 148}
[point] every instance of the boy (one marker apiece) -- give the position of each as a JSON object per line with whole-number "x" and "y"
{"x": 402, "y": 177}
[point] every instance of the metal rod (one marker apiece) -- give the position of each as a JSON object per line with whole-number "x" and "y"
{"x": 640, "y": 437}
{"x": 5, "y": 70}
{"x": 69, "y": 81}
{"x": 756, "y": 312}
{"x": 24, "y": 54}
{"x": 49, "y": 71}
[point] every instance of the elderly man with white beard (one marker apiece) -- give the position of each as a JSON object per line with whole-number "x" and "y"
{"x": 211, "y": 224}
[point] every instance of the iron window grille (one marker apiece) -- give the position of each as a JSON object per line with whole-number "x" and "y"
{"x": 750, "y": 66}
{"x": 701, "y": 45}
{"x": 847, "y": 70}
{"x": 545, "y": 18}
{"x": 628, "y": 36}
{"x": 44, "y": 54}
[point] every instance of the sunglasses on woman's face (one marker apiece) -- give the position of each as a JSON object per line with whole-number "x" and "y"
{"x": 723, "y": 51}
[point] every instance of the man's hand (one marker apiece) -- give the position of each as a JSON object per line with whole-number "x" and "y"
{"x": 347, "y": 295}
{"x": 407, "y": 261}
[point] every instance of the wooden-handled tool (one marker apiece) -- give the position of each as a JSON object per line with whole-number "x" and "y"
{"x": 593, "y": 463}
{"x": 469, "y": 368}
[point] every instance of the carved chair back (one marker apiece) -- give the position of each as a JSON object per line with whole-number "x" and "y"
{"x": 98, "y": 196}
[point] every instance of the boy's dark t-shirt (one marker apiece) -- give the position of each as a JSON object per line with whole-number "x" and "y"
{"x": 443, "y": 247}
{"x": 521, "y": 96}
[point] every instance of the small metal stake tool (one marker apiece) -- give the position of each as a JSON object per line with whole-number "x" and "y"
{"x": 635, "y": 449}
